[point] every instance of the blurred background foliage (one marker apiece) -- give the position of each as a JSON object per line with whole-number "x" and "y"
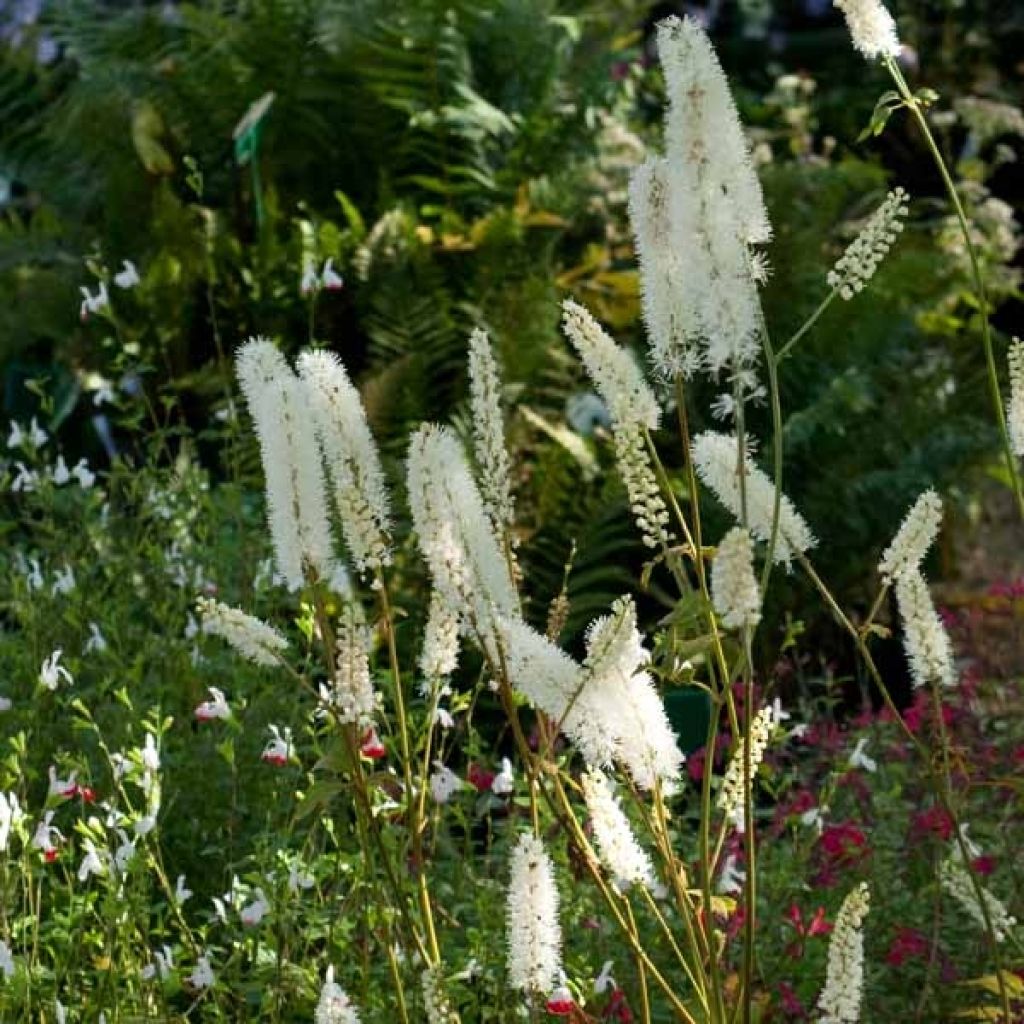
{"x": 465, "y": 163}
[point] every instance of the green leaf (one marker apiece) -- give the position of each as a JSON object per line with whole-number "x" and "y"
{"x": 887, "y": 105}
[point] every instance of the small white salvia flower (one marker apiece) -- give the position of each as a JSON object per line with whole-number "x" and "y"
{"x": 444, "y": 783}
{"x": 435, "y": 999}
{"x": 161, "y": 966}
{"x": 604, "y": 981}
{"x": 440, "y": 652}
{"x": 91, "y": 862}
{"x": 181, "y": 892}
{"x": 279, "y": 749}
{"x": 202, "y": 977}
{"x": 615, "y": 373}
{"x": 504, "y": 782}
{"x": 61, "y": 473}
{"x": 617, "y": 846}
{"x": 63, "y": 580}
{"x": 52, "y": 672}
{"x": 81, "y": 472}
{"x": 254, "y": 911}
{"x": 737, "y": 597}
{"x": 732, "y": 878}
{"x": 862, "y": 257}
{"x": 731, "y": 795}
{"x": 858, "y": 759}
{"x": 1015, "y": 403}
{"x": 60, "y": 1011}
{"x": 488, "y": 431}
{"x": 251, "y": 637}
{"x": 93, "y": 303}
{"x": 216, "y": 707}
{"x": 334, "y": 1006}
{"x": 97, "y": 642}
{"x": 330, "y": 278}
{"x": 533, "y": 934}
{"x": 467, "y": 566}
{"x": 871, "y": 27}
{"x": 128, "y": 276}
{"x": 352, "y": 695}
{"x": 840, "y": 1000}
{"x": 929, "y": 649}
{"x": 715, "y": 459}
{"x": 360, "y": 487}
{"x": 295, "y": 486}
{"x": 6, "y": 704}
{"x": 914, "y": 537}
{"x": 11, "y": 816}
{"x": 6, "y": 960}
{"x": 956, "y": 880}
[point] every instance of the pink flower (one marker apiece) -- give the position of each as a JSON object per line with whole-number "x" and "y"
{"x": 791, "y": 1005}
{"x": 907, "y": 944}
{"x": 371, "y": 745}
{"x": 479, "y": 777}
{"x": 935, "y": 821}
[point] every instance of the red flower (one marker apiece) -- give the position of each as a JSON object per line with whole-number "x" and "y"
{"x": 791, "y": 1005}
{"x": 51, "y": 855}
{"x": 617, "y": 1008}
{"x": 907, "y": 944}
{"x": 87, "y": 793}
{"x": 371, "y": 745}
{"x": 934, "y": 821}
{"x": 984, "y": 865}
{"x": 840, "y": 847}
{"x": 479, "y": 777}
{"x": 560, "y": 1002}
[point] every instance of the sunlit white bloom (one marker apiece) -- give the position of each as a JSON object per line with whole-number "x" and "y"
{"x": 731, "y": 795}
{"x": 444, "y": 783}
{"x": 929, "y": 649}
{"x": 61, "y": 473}
{"x": 94, "y": 303}
{"x": 814, "y": 818}
{"x": 715, "y": 458}
{"x": 334, "y": 1006}
{"x": 862, "y": 257}
{"x": 150, "y": 755}
{"x": 443, "y": 718}
{"x": 25, "y": 480}
{"x": 92, "y": 863}
{"x": 533, "y": 934}
{"x": 81, "y": 472}
{"x": 63, "y": 580}
{"x": 202, "y": 977}
{"x": 254, "y": 911}
{"x": 161, "y": 966}
{"x": 42, "y": 838}
{"x": 488, "y": 432}
{"x": 914, "y": 537}
{"x": 737, "y": 597}
{"x": 436, "y": 1004}
{"x": 251, "y": 637}
{"x": 96, "y": 642}
{"x": 292, "y": 467}
{"x": 278, "y": 750}
{"x": 956, "y": 880}
{"x": 871, "y": 27}
{"x": 858, "y": 759}
{"x": 617, "y": 846}
{"x": 604, "y": 981}
{"x": 732, "y": 877}
{"x": 330, "y": 279}
{"x": 52, "y": 672}
{"x": 1015, "y": 403}
{"x": 6, "y": 960}
{"x": 840, "y": 1000}
{"x": 309, "y": 280}
{"x": 128, "y": 276}
{"x": 144, "y": 825}
{"x": 353, "y": 462}
{"x": 124, "y": 854}
{"x": 353, "y": 696}
{"x": 62, "y": 787}
{"x": 16, "y": 438}
{"x": 299, "y": 879}
{"x": 181, "y": 892}
{"x": 33, "y": 574}
{"x": 216, "y": 707}
{"x": 504, "y": 782}
{"x": 11, "y": 817}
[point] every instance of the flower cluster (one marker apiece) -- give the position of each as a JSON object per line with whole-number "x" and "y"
{"x": 352, "y": 697}
{"x": 617, "y": 846}
{"x": 334, "y": 1006}
{"x": 913, "y": 539}
{"x": 862, "y": 257}
{"x": 731, "y": 795}
{"x": 953, "y": 874}
{"x": 734, "y": 586}
{"x": 1015, "y": 404}
{"x": 929, "y": 649}
{"x": 251, "y": 637}
{"x": 840, "y": 1000}
{"x": 534, "y": 936}
{"x": 871, "y": 27}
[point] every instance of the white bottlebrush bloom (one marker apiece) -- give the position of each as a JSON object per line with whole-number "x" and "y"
{"x": 334, "y": 1007}
{"x": 615, "y": 373}
{"x": 731, "y": 795}
{"x": 737, "y": 597}
{"x": 435, "y": 999}
{"x": 11, "y": 817}
{"x": 216, "y": 707}
{"x": 1015, "y": 403}
{"x": 840, "y": 1000}
{"x": 914, "y": 537}
{"x": 955, "y": 879}
{"x": 929, "y": 649}
{"x": 440, "y": 651}
{"x": 444, "y": 783}
{"x": 292, "y": 467}
{"x": 52, "y": 671}
{"x": 633, "y": 462}
{"x": 533, "y": 933}
{"x": 871, "y": 27}
{"x": 620, "y": 853}
{"x": 488, "y": 432}
{"x": 128, "y": 276}
{"x": 715, "y": 459}
{"x": 352, "y": 696}
{"x": 673, "y": 352}
{"x": 251, "y": 637}
{"x": 353, "y": 462}
{"x": 862, "y": 257}
{"x": 467, "y": 566}
{"x": 202, "y": 976}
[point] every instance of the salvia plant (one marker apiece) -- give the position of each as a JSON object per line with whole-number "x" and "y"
{"x": 594, "y": 790}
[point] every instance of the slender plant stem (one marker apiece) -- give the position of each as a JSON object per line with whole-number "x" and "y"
{"x": 805, "y": 327}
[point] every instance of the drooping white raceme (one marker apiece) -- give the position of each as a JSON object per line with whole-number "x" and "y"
{"x": 914, "y": 537}
{"x": 468, "y": 569}
{"x": 295, "y": 485}
{"x": 436, "y": 1003}
{"x": 621, "y": 854}
{"x": 871, "y": 27}
{"x": 533, "y": 933}
{"x": 488, "y": 432}
{"x": 716, "y": 206}
{"x": 929, "y": 649}
{"x": 840, "y": 1000}
{"x": 731, "y": 795}
{"x": 734, "y": 588}
{"x": 615, "y": 373}
{"x": 673, "y": 349}
{"x": 360, "y": 487}
{"x": 352, "y": 697}
{"x": 1015, "y": 403}
{"x": 254, "y": 639}
{"x": 955, "y": 879}
{"x": 633, "y": 462}
{"x": 715, "y": 459}
{"x": 440, "y": 652}
{"x": 865, "y": 253}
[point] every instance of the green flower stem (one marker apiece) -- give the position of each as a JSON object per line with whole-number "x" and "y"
{"x": 805, "y": 327}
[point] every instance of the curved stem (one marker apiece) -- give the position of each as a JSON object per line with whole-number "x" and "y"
{"x": 805, "y": 327}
